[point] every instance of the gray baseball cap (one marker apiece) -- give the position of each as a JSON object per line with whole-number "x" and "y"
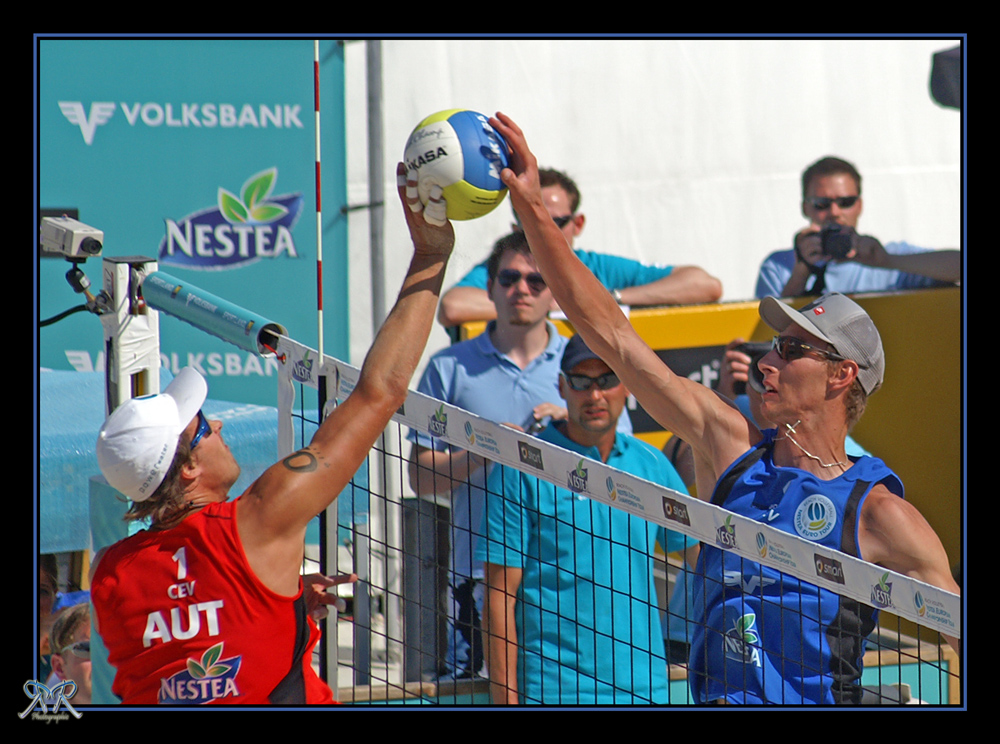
{"x": 840, "y": 322}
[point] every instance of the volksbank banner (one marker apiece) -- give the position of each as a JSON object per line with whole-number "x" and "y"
{"x": 201, "y": 155}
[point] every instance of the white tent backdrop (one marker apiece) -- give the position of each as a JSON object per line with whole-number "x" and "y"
{"x": 686, "y": 151}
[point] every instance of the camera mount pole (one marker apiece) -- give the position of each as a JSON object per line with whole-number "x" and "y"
{"x": 131, "y": 332}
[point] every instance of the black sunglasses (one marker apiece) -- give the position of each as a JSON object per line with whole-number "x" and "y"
{"x": 790, "y": 348}
{"x": 581, "y": 383}
{"x": 824, "y": 202}
{"x": 203, "y": 430}
{"x": 509, "y": 277}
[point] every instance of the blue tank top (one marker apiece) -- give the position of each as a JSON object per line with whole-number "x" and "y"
{"x": 765, "y": 636}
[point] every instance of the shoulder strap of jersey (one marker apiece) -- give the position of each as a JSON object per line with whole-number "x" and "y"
{"x": 731, "y": 476}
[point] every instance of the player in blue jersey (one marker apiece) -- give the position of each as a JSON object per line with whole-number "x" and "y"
{"x": 823, "y": 366}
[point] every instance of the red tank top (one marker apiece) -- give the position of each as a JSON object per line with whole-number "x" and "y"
{"x": 187, "y": 622}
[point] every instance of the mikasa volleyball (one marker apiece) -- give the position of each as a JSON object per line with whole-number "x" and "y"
{"x": 459, "y": 151}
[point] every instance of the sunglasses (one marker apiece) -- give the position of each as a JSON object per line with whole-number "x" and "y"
{"x": 581, "y": 383}
{"x": 790, "y": 348}
{"x": 80, "y": 649}
{"x": 509, "y": 277}
{"x": 561, "y": 222}
{"x": 825, "y": 202}
{"x": 202, "y": 431}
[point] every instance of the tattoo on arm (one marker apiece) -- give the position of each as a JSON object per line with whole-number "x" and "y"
{"x": 302, "y": 461}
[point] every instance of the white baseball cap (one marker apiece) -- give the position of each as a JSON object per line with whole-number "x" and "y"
{"x": 137, "y": 443}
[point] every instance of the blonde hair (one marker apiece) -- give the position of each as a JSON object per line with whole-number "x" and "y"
{"x": 855, "y": 399}
{"x": 66, "y": 625}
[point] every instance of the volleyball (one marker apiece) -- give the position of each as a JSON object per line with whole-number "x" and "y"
{"x": 459, "y": 151}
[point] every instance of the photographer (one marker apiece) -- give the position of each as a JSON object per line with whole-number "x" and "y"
{"x": 831, "y": 256}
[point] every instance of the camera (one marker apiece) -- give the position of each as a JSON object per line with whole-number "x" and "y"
{"x": 755, "y": 350}
{"x": 836, "y": 240}
{"x": 70, "y": 238}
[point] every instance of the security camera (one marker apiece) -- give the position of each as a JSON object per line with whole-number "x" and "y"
{"x": 70, "y": 238}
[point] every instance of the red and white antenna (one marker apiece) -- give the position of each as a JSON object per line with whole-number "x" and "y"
{"x": 319, "y": 219}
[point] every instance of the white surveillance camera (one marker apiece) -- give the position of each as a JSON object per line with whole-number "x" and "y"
{"x": 71, "y": 238}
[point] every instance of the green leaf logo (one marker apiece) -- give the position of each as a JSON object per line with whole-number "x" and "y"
{"x": 252, "y": 205}
{"x": 439, "y": 414}
{"x": 208, "y": 666}
{"x": 231, "y": 207}
{"x": 745, "y": 627}
{"x": 258, "y": 187}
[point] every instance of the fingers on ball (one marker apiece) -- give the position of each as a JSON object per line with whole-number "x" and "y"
{"x": 412, "y": 192}
{"x": 436, "y": 211}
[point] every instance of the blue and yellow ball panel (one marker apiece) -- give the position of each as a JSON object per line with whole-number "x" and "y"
{"x": 476, "y": 135}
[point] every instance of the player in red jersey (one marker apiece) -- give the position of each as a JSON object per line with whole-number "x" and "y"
{"x": 207, "y": 605}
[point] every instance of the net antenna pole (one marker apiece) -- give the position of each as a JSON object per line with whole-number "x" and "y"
{"x": 319, "y": 224}
{"x": 327, "y": 552}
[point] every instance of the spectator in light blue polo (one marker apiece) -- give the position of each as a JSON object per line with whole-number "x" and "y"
{"x": 508, "y": 374}
{"x": 572, "y": 615}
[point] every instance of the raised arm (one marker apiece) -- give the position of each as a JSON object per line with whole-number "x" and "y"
{"x": 682, "y": 406}
{"x": 275, "y": 510}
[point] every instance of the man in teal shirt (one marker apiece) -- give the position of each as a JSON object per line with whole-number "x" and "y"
{"x": 632, "y": 283}
{"x": 571, "y": 614}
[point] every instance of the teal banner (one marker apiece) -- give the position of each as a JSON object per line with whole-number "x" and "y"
{"x": 200, "y": 154}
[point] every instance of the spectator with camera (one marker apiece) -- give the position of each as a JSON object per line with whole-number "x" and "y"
{"x": 830, "y": 255}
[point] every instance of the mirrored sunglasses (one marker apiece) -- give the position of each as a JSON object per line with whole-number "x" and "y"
{"x": 790, "y": 348}
{"x": 202, "y": 431}
{"x": 581, "y": 383}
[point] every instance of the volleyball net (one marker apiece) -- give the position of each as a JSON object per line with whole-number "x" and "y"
{"x": 410, "y": 619}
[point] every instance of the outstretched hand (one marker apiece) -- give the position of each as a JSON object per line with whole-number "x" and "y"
{"x": 315, "y": 585}
{"x": 521, "y": 177}
{"x": 430, "y": 230}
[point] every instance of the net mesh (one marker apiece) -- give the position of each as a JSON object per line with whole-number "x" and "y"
{"x": 603, "y": 623}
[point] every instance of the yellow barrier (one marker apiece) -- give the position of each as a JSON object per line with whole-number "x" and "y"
{"x": 913, "y": 422}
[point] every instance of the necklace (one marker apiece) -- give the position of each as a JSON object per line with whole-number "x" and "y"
{"x": 790, "y": 429}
